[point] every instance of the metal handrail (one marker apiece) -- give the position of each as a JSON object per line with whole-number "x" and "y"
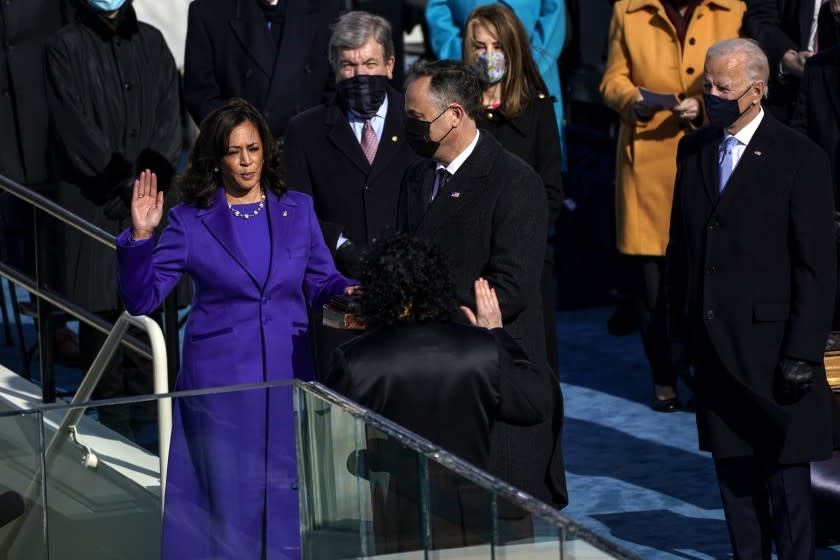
{"x": 67, "y": 428}
{"x": 37, "y": 288}
{"x": 46, "y": 205}
{"x": 94, "y": 374}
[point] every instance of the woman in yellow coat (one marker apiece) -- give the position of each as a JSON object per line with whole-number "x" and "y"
{"x": 658, "y": 45}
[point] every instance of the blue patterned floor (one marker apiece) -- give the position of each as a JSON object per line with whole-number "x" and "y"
{"x": 634, "y": 474}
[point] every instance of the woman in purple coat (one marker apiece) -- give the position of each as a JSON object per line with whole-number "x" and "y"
{"x": 257, "y": 260}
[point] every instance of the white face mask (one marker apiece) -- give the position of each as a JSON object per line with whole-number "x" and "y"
{"x": 106, "y": 5}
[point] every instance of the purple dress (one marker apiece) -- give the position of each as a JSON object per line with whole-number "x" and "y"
{"x": 231, "y": 489}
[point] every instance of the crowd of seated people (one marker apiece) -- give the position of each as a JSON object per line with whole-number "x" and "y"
{"x": 314, "y": 158}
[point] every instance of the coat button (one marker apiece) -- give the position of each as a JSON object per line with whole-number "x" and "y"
{"x": 692, "y": 41}
{"x": 689, "y": 70}
{"x": 132, "y": 132}
{"x": 367, "y": 188}
{"x": 681, "y": 96}
{"x": 127, "y": 86}
{"x": 710, "y": 314}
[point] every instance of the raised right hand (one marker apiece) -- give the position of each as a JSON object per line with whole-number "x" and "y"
{"x": 487, "y": 312}
{"x": 146, "y": 206}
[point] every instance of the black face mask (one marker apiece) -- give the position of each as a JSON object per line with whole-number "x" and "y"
{"x": 363, "y": 94}
{"x": 418, "y": 135}
{"x": 723, "y": 112}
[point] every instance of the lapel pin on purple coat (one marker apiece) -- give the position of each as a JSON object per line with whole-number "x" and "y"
{"x": 285, "y": 213}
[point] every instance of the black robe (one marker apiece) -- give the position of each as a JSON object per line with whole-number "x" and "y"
{"x": 113, "y": 99}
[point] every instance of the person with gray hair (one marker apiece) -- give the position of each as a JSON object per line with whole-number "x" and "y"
{"x": 485, "y": 210}
{"x": 750, "y": 283}
{"x": 350, "y": 153}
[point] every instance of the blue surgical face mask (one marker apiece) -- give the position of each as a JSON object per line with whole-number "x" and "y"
{"x": 106, "y": 5}
{"x": 490, "y": 66}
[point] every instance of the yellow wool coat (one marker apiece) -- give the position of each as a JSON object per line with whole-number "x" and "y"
{"x": 644, "y": 50}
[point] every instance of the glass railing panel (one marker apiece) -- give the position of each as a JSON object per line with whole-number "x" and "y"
{"x": 22, "y": 518}
{"x": 231, "y": 471}
{"x": 373, "y": 489}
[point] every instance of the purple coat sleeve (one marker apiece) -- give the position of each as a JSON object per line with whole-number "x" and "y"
{"x": 147, "y": 273}
{"x": 322, "y": 279}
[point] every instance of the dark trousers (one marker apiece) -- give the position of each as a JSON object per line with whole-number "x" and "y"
{"x": 646, "y": 283}
{"x": 766, "y": 503}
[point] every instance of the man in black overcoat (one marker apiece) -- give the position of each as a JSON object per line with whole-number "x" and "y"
{"x": 273, "y": 54}
{"x": 112, "y": 90}
{"x": 486, "y": 210}
{"x": 350, "y": 154}
{"x": 447, "y": 382}
{"x": 750, "y": 282}
{"x": 787, "y": 31}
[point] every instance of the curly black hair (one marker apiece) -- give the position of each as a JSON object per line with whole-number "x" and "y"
{"x": 405, "y": 279}
{"x": 198, "y": 184}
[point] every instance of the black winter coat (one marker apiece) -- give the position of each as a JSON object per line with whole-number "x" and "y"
{"x": 490, "y": 221}
{"x": 750, "y": 280}
{"x": 533, "y": 136}
{"x": 25, "y": 27}
{"x": 113, "y": 99}
{"x": 325, "y": 160}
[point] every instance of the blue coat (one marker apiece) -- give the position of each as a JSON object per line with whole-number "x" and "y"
{"x": 544, "y": 20}
{"x": 224, "y": 476}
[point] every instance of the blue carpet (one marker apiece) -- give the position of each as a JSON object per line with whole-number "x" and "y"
{"x": 634, "y": 474}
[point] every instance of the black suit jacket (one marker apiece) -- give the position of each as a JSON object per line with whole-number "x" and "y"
{"x": 779, "y": 26}
{"x": 490, "y": 221}
{"x": 323, "y": 159}
{"x": 817, "y": 113}
{"x": 750, "y": 279}
{"x": 230, "y": 53}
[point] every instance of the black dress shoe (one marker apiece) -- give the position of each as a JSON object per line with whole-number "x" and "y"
{"x": 665, "y": 405}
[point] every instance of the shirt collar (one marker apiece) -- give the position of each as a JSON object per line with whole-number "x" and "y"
{"x": 745, "y": 134}
{"x": 456, "y": 163}
{"x": 381, "y": 112}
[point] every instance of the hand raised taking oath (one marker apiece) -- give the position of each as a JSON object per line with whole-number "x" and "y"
{"x": 146, "y": 206}
{"x": 487, "y": 312}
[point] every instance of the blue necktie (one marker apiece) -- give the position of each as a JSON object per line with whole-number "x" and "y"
{"x": 725, "y": 161}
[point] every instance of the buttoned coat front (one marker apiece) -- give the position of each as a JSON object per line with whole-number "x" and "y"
{"x": 645, "y": 51}
{"x": 751, "y": 277}
{"x": 232, "y": 467}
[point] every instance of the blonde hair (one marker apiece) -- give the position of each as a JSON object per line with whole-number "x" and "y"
{"x": 522, "y": 81}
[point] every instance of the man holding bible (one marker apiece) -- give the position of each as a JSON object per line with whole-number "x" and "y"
{"x": 750, "y": 284}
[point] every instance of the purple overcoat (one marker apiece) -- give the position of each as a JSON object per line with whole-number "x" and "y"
{"x": 231, "y": 486}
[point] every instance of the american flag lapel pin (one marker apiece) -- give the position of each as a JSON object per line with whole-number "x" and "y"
{"x": 455, "y": 195}
{"x": 757, "y": 152}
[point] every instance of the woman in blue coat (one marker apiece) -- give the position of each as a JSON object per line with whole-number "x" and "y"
{"x": 544, "y": 20}
{"x": 257, "y": 259}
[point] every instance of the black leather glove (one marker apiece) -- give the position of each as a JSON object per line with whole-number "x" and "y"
{"x": 348, "y": 259}
{"x": 793, "y": 380}
{"x": 158, "y": 164}
{"x": 118, "y": 204}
